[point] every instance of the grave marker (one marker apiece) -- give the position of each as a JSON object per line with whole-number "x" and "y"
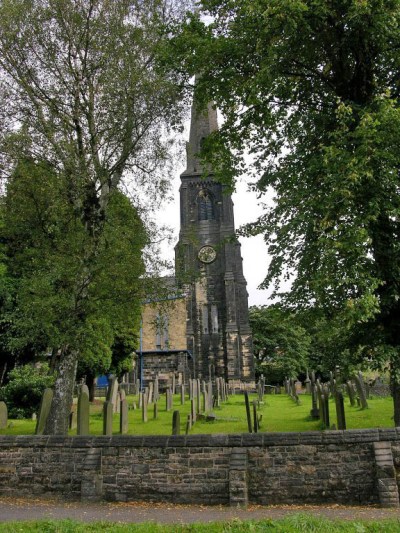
{"x": 44, "y": 410}
{"x": 3, "y": 415}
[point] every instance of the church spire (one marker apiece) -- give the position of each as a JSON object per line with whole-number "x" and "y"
{"x": 203, "y": 122}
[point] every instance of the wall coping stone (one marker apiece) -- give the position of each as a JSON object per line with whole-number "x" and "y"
{"x": 204, "y": 441}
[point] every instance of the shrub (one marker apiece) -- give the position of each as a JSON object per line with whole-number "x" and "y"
{"x": 23, "y": 392}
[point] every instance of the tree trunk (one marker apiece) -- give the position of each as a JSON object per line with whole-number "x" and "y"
{"x": 57, "y": 422}
{"x": 3, "y": 373}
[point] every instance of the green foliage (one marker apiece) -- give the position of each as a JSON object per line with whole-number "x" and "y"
{"x": 281, "y": 345}
{"x": 86, "y": 107}
{"x": 310, "y": 88}
{"x": 292, "y": 523}
{"x": 24, "y": 390}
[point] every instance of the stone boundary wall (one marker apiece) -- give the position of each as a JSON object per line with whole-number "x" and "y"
{"x": 351, "y": 467}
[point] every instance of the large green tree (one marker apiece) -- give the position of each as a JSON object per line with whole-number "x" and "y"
{"x": 82, "y": 90}
{"x": 281, "y": 344}
{"x": 311, "y": 89}
{"x": 44, "y": 246}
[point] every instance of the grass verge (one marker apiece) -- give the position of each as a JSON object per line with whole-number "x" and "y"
{"x": 291, "y": 524}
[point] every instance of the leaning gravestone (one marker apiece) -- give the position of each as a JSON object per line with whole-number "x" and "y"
{"x": 3, "y": 415}
{"x": 350, "y": 392}
{"x": 44, "y": 410}
{"x": 83, "y": 411}
{"x": 361, "y": 391}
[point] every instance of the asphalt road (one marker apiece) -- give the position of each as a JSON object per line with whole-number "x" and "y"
{"x": 136, "y": 512}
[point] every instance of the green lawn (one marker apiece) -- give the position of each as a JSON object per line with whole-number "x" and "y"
{"x": 292, "y": 524}
{"x": 279, "y": 413}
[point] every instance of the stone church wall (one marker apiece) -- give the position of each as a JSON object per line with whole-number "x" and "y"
{"x": 351, "y": 467}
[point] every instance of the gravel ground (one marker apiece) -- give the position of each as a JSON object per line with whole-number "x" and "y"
{"x": 135, "y": 512}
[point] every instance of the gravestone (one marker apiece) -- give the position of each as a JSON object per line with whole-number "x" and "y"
{"x": 108, "y": 411}
{"x": 314, "y": 409}
{"x": 83, "y": 411}
{"x": 140, "y": 400}
{"x": 3, "y": 415}
{"x": 176, "y": 423}
{"x": 73, "y": 420}
{"x": 361, "y": 391}
{"x": 173, "y": 383}
{"x": 351, "y": 393}
{"x": 112, "y": 391}
{"x": 340, "y": 413}
{"x": 182, "y": 394}
{"x": 193, "y": 411}
{"x": 44, "y": 410}
{"x": 156, "y": 389}
{"x": 155, "y": 411}
{"x": 188, "y": 424}
{"x": 255, "y": 418}
{"x": 248, "y": 415}
{"x": 198, "y": 398}
{"x": 123, "y": 418}
{"x": 307, "y": 383}
{"x": 298, "y": 387}
{"x": 151, "y": 389}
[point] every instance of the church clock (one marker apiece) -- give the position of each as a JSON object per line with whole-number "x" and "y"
{"x": 207, "y": 254}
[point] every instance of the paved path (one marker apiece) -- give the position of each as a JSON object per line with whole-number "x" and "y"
{"x": 134, "y": 512}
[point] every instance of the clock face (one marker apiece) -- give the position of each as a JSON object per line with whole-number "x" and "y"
{"x": 207, "y": 254}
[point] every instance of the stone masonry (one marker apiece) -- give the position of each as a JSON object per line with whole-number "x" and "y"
{"x": 349, "y": 467}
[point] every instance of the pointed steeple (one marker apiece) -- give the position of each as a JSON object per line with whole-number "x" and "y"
{"x": 203, "y": 122}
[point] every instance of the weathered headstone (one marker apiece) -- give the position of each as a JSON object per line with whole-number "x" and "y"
{"x": 83, "y": 411}
{"x": 248, "y": 415}
{"x": 155, "y": 412}
{"x": 44, "y": 410}
{"x": 255, "y": 418}
{"x": 340, "y": 413}
{"x": 198, "y": 397}
{"x": 108, "y": 411}
{"x": 140, "y": 400}
{"x": 350, "y": 392}
{"x": 156, "y": 390}
{"x": 123, "y": 417}
{"x": 188, "y": 424}
{"x": 182, "y": 394}
{"x": 3, "y": 415}
{"x": 193, "y": 410}
{"x": 173, "y": 383}
{"x": 176, "y": 423}
{"x": 150, "y": 395}
{"x": 361, "y": 391}
{"x": 112, "y": 391}
{"x": 307, "y": 383}
{"x": 314, "y": 409}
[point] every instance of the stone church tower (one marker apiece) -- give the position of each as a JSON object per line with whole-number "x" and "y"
{"x": 209, "y": 263}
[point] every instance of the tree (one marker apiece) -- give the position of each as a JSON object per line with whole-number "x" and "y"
{"x": 44, "y": 245}
{"x": 82, "y": 91}
{"x": 311, "y": 89}
{"x": 281, "y": 345}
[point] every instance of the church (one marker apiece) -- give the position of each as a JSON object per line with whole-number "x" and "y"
{"x": 200, "y": 329}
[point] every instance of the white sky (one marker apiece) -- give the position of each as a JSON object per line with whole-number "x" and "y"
{"x": 254, "y": 250}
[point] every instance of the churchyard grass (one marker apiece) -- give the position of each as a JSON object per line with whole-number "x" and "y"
{"x": 291, "y": 524}
{"x": 279, "y": 413}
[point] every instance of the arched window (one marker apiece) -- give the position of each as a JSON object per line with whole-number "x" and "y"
{"x": 206, "y": 205}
